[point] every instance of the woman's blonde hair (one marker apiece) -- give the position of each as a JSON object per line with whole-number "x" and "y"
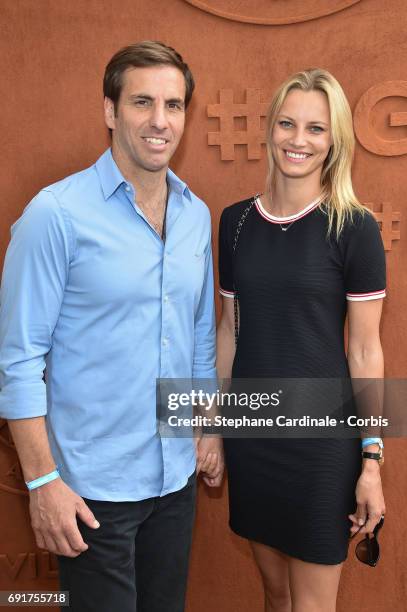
{"x": 339, "y": 199}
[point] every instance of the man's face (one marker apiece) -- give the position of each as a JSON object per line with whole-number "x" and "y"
{"x": 150, "y": 116}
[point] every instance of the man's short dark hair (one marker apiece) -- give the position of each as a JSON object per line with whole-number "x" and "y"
{"x": 141, "y": 55}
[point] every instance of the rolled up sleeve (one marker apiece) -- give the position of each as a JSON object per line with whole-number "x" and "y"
{"x": 34, "y": 277}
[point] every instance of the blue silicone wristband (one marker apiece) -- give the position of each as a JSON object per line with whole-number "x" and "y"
{"x": 367, "y": 441}
{"x": 42, "y": 480}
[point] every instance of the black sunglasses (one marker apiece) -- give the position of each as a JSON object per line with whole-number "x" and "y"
{"x": 368, "y": 550}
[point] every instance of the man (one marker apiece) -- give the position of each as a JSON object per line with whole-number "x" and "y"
{"x": 108, "y": 283}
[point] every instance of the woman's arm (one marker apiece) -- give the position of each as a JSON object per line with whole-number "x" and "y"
{"x": 225, "y": 344}
{"x": 365, "y": 359}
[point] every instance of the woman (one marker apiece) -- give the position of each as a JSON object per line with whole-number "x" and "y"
{"x": 299, "y": 258}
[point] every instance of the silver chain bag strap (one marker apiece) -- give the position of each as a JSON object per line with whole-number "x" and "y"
{"x": 236, "y": 238}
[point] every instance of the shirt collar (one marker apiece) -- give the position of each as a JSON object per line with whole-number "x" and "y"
{"x": 178, "y": 186}
{"x": 109, "y": 174}
{"x": 111, "y": 178}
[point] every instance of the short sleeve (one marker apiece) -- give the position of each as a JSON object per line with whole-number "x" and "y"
{"x": 225, "y": 257}
{"x": 364, "y": 260}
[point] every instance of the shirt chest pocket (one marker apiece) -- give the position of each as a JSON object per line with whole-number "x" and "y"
{"x": 189, "y": 275}
{"x": 199, "y": 265}
{"x": 199, "y": 275}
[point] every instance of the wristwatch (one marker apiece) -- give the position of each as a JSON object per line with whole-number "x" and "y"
{"x": 377, "y": 456}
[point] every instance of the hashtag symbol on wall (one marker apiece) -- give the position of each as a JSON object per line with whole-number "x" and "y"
{"x": 228, "y": 137}
{"x": 386, "y": 217}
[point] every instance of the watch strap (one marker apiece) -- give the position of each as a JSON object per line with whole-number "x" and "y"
{"x": 377, "y": 456}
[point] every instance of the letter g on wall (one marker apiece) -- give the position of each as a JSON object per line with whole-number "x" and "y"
{"x": 364, "y": 126}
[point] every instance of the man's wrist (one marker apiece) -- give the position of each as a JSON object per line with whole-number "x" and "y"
{"x": 36, "y": 483}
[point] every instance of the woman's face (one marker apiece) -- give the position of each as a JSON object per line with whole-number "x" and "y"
{"x": 301, "y": 136}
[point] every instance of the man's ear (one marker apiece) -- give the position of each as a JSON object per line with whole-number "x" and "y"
{"x": 109, "y": 113}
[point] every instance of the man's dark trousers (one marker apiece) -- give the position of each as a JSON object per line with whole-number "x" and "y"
{"x": 137, "y": 560}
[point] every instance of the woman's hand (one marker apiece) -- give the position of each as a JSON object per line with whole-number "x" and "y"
{"x": 369, "y": 499}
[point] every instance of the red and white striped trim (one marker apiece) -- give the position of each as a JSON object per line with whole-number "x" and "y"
{"x": 362, "y": 297}
{"x": 280, "y": 220}
{"x": 228, "y": 294}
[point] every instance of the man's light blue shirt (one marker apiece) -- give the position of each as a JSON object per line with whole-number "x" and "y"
{"x": 91, "y": 292}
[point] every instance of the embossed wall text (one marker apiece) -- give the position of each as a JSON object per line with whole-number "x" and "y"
{"x": 32, "y": 564}
{"x": 253, "y": 137}
{"x": 386, "y": 218}
{"x": 11, "y": 479}
{"x": 364, "y": 129}
{"x": 227, "y": 137}
{"x": 278, "y": 12}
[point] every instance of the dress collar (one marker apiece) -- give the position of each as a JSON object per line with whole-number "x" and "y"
{"x": 291, "y": 218}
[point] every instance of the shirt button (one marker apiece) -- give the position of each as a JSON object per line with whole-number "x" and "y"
{"x": 127, "y": 188}
{"x": 165, "y": 341}
{"x": 166, "y": 298}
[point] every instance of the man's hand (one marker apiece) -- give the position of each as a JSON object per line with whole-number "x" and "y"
{"x": 210, "y": 460}
{"x": 53, "y": 509}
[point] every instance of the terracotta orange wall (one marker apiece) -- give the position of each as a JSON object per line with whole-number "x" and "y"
{"x": 53, "y": 55}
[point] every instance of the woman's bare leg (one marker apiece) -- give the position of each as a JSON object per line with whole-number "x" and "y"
{"x": 273, "y": 566}
{"x": 314, "y": 587}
